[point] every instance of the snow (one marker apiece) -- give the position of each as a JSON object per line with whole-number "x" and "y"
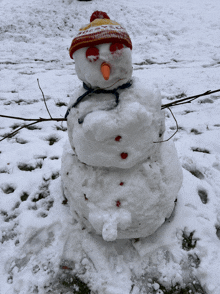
{"x": 175, "y": 48}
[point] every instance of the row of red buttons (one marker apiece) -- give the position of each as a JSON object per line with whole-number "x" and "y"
{"x": 124, "y": 155}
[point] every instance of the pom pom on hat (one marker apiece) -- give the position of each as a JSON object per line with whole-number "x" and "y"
{"x": 100, "y": 15}
{"x": 101, "y": 29}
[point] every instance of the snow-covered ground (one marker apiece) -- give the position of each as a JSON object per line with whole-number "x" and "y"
{"x": 176, "y": 46}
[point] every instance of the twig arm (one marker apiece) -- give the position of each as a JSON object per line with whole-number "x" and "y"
{"x": 17, "y": 130}
{"x": 188, "y": 99}
{"x": 34, "y": 119}
{"x": 177, "y": 128}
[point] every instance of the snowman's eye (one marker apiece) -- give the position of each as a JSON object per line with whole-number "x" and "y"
{"x": 116, "y": 47}
{"x": 92, "y": 54}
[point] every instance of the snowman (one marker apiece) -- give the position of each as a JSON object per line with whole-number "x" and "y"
{"x": 121, "y": 180}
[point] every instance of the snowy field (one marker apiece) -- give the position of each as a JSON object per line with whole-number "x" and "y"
{"x": 176, "y": 47}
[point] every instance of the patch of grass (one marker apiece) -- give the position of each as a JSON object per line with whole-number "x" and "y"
{"x": 196, "y": 173}
{"x": 19, "y": 101}
{"x": 10, "y": 217}
{"x": 194, "y": 260}
{"x": 8, "y": 189}
{"x": 48, "y": 205}
{"x": 218, "y": 231}
{"x": 191, "y": 288}
{"x": 21, "y": 141}
{"x": 33, "y": 127}
{"x": 195, "y": 131}
{"x": 61, "y": 103}
{"x": 40, "y": 196}
{"x": 10, "y": 235}
{"x": 24, "y": 196}
{"x": 7, "y": 103}
{"x": 55, "y": 175}
{"x": 28, "y": 102}
{"x": 43, "y": 192}
{"x": 29, "y": 167}
{"x": 188, "y": 242}
{"x": 52, "y": 139}
{"x": 178, "y": 96}
{"x": 203, "y": 196}
{"x": 15, "y": 126}
{"x": 61, "y": 128}
{"x": 181, "y": 95}
{"x": 206, "y": 100}
{"x": 65, "y": 201}
{"x": 17, "y": 204}
{"x": 74, "y": 284}
{"x": 8, "y": 135}
{"x": 4, "y": 170}
{"x": 54, "y": 157}
{"x": 40, "y": 157}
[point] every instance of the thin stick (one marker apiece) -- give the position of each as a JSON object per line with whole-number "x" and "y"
{"x": 44, "y": 98}
{"x": 34, "y": 119}
{"x": 177, "y": 129}
{"x": 188, "y": 99}
{"x": 16, "y": 131}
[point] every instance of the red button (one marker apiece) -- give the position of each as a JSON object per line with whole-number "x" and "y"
{"x": 118, "y": 203}
{"x": 124, "y": 155}
{"x": 118, "y": 138}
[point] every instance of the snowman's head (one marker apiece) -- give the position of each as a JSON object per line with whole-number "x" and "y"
{"x": 102, "y": 53}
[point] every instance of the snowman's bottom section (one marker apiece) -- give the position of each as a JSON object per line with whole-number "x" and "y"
{"x": 122, "y": 203}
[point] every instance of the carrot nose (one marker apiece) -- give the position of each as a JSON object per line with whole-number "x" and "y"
{"x": 105, "y": 69}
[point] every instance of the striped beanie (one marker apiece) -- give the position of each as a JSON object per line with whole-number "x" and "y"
{"x": 101, "y": 29}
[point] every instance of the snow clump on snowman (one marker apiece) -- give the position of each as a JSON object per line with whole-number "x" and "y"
{"x": 119, "y": 181}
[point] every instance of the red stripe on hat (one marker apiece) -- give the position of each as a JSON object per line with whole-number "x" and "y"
{"x": 104, "y": 36}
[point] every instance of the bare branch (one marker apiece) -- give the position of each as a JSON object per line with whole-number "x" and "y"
{"x": 34, "y": 121}
{"x": 44, "y": 98}
{"x": 41, "y": 119}
{"x": 177, "y": 129}
{"x": 187, "y": 100}
{"x": 16, "y": 131}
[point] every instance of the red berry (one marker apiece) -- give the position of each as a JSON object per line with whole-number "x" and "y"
{"x": 118, "y": 138}
{"x": 66, "y": 267}
{"x": 124, "y": 155}
{"x": 121, "y": 184}
{"x": 118, "y": 203}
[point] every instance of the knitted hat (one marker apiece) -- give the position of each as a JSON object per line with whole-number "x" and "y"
{"x": 101, "y": 29}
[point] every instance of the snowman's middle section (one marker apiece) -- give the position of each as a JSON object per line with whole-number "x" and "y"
{"x": 122, "y": 136}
